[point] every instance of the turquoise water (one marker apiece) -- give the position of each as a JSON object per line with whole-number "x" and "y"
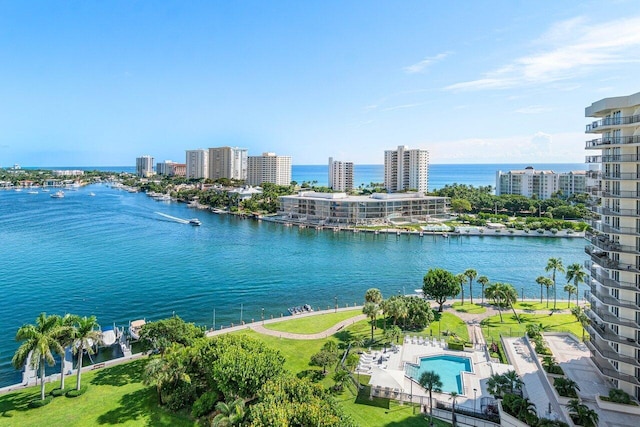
{"x": 111, "y": 255}
{"x": 448, "y": 367}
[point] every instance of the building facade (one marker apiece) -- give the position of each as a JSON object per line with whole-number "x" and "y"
{"x": 269, "y": 168}
{"x": 614, "y": 291}
{"x": 197, "y": 162}
{"x": 228, "y": 162}
{"x": 378, "y": 208}
{"x": 144, "y": 166}
{"x": 340, "y": 175}
{"x": 540, "y": 183}
{"x": 406, "y": 169}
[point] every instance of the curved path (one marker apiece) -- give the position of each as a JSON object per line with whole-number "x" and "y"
{"x": 324, "y": 334}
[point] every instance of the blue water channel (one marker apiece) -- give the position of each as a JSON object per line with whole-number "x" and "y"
{"x": 111, "y": 255}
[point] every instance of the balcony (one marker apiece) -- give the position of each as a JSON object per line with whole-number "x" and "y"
{"x": 599, "y": 143}
{"x": 617, "y": 212}
{"x": 605, "y": 244}
{"x": 611, "y": 176}
{"x": 609, "y": 300}
{"x": 601, "y": 275}
{"x": 607, "y": 352}
{"x": 606, "y": 228}
{"x": 607, "y": 334}
{"x": 605, "y": 367}
{"x": 601, "y": 125}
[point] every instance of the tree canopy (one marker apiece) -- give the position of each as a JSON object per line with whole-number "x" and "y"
{"x": 440, "y": 284}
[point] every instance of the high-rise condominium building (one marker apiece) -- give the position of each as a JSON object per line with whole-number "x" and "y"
{"x": 197, "y": 163}
{"x": 340, "y": 175}
{"x": 228, "y": 162}
{"x": 169, "y": 168}
{"x": 406, "y": 169}
{"x": 269, "y": 168}
{"x": 615, "y": 245}
{"x": 541, "y": 183}
{"x": 144, "y": 166}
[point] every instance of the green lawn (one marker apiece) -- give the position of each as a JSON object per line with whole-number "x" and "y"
{"x": 115, "y": 396}
{"x": 469, "y": 308}
{"x": 447, "y": 322}
{"x": 492, "y": 328}
{"x": 312, "y": 324}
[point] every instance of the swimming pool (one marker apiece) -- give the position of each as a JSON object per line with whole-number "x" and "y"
{"x": 448, "y": 367}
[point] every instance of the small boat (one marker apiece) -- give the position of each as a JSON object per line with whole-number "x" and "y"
{"x": 92, "y": 194}
{"x": 58, "y": 194}
{"x": 45, "y": 190}
{"x": 194, "y": 221}
{"x": 32, "y": 192}
{"x": 109, "y": 336}
{"x": 17, "y": 190}
{"x": 300, "y": 309}
{"x": 134, "y": 328}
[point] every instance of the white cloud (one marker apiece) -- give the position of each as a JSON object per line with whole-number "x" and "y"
{"x": 422, "y": 65}
{"x": 567, "y": 49}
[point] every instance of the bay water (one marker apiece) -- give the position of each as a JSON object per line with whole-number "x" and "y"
{"x": 113, "y": 256}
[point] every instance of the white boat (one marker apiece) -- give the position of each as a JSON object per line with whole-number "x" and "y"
{"x": 194, "y": 221}
{"x": 32, "y": 192}
{"x": 92, "y": 194}
{"x": 109, "y": 336}
{"x": 17, "y": 190}
{"x": 58, "y": 194}
{"x": 134, "y": 328}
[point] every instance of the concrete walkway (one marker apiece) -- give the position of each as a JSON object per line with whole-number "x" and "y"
{"x": 320, "y": 335}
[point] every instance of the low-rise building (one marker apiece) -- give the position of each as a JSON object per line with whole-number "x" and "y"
{"x": 541, "y": 183}
{"x": 378, "y": 208}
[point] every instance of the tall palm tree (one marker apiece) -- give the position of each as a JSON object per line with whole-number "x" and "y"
{"x": 230, "y": 414}
{"x": 483, "y": 280}
{"x": 430, "y": 381}
{"x": 555, "y": 265}
{"x": 547, "y": 283}
{"x": 373, "y": 295}
{"x": 570, "y": 290}
{"x": 65, "y": 339}
{"x": 86, "y": 334}
{"x": 453, "y": 397}
{"x": 169, "y": 369}
{"x": 581, "y": 317}
{"x": 470, "y": 274}
{"x": 493, "y": 293}
{"x": 503, "y": 294}
{"x": 370, "y": 309}
{"x": 461, "y": 278}
{"x": 576, "y": 274}
{"x": 40, "y": 341}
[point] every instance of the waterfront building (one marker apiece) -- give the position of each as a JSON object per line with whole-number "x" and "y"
{"x": 540, "y": 183}
{"x": 340, "y": 175}
{"x": 144, "y": 166}
{"x": 406, "y": 169}
{"x": 70, "y": 172}
{"x": 165, "y": 168}
{"x": 378, "y": 208}
{"x": 179, "y": 169}
{"x": 197, "y": 164}
{"x": 269, "y": 168}
{"x": 228, "y": 162}
{"x": 614, "y": 293}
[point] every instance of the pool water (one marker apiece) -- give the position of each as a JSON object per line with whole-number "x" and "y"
{"x": 448, "y": 367}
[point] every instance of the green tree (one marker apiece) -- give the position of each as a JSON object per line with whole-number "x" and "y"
{"x": 440, "y": 284}
{"x": 470, "y": 274}
{"x": 431, "y": 382}
{"x": 340, "y": 376}
{"x": 547, "y": 283}
{"x": 582, "y": 414}
{"x": 371, "y": 309}
{"x": 40, "y": 341}
{"x": 577, "y": 275}
{"x": 570, "y": 290}
{"x": 167, "y": 372}
{"x": 230, "y": 414}
{"x": 503, "y": 295}
{"x": 323, "y": 358}
{"x": 461, "y": 278}
{"x": 393, "y": 333}
{"x": 581, "y": 317}
{"x": 460, "y": 205}
{"x": 162, "y": 334}
{"x": 85, "y": 336}
{"x": 554, "y": 265}
{"x": 454, "y": 396}
{"x": 65, "y": 339}
{"x": 373, "y": 295}
{"x": 484, "y": 281}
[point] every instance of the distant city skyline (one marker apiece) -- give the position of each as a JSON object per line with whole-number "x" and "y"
{"x": 100, "y": 84}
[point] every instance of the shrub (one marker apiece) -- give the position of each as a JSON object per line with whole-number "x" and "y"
{"x": 205, "y": 404}
{"x": 619, "y": 396}
{"x": 76, "y": 393}
{"x": 57, "y": 392}
{"x": 554, "y": 230}
{"x": 540, "y": 230}
{"x": 453, "y": 345}
{"x": 40, "y": 402}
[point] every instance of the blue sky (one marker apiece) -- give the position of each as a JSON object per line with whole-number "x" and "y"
{"x": 100, "y": 83}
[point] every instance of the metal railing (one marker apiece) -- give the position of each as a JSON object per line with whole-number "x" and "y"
{"x": 612, "y": 121}
{"x": 618, "y": 140}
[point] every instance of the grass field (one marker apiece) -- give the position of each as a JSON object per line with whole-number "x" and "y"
{"x": 468, "y": 308}
{"x": 492, "y": 328}
{"x": 312, "y": 324}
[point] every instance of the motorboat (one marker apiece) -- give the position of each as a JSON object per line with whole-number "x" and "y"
{"x": 134, "y": 328}
{"x": 195, "y": 221}
{"x": 32, "y": 192}
{"x": 109, "y": 336}
{"x": 92, "y": 194}
{"x": 58, "y": 194}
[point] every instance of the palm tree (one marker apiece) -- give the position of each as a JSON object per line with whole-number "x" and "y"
{"x": 493, "y": 293}
{"x": 554, "y": 264}
{"x": 576, "y": 274}
{"x": 40, "y": 342}
{"x": 525, "y": 410}
{"x": 430, "y": 381}
{"x": 230, "y": 414}
{"x": 86, "y": 334}
{"x": 453, "y": 397}
{"x": 513, "y": 380}
{"x": 503, "y": 294}
{"x": 169, "y": 369}
{"x": 483, "y": 280}
{"x": 470, "y": 274}
{"x": 581, "y": 317}
{"x": 461, "y": 278}
{"x": 582, "y": 414}
{"x": 570, "y": 290}
{"x": 540, "y": 281}
{"x": 65, "y": 339}
{"x": 370, "y": 309}
{"x": 373, "y": 295}
{"x": 547, "y": 283}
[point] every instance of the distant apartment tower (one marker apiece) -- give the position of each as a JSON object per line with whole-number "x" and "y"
{"x": 169, "y": 168}
{"x": 406, "y": 169}
{"x": 144, "y": 166}
{"x": 269, "y": 168}
{"x": 228, "y": 162}
{"x": 340, "y": 175}
{"x": 543, "y": 184}
{"x": 614, "y": 288}
{"x": 197, "y": 162}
